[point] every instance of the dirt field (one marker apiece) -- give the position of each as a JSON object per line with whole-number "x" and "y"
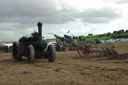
{"x": 68, "y": 69}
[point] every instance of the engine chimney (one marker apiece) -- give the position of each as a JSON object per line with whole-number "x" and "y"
{"x": 39, "y": 24}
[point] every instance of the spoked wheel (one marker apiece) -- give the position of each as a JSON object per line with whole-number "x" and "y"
{"x": 80, "y": 51}
{"x": 31, "y": 54}
{"x": 16, "y": 55}
{"x": 91, "y": 49}
{"x": 88, "y": 49}
{"x": 52, "y": 55}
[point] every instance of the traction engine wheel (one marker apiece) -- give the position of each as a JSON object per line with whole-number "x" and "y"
{"x": 31, "y": 54}
{"x": 52, "y": 55}
{"x": 19, "y": 52}
{"x": 16, "y": 51}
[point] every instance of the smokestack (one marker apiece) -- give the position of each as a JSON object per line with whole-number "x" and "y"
{"x": 39, "y": 24}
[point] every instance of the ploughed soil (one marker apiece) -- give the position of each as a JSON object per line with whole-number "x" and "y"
{"x": 68, "y": 69}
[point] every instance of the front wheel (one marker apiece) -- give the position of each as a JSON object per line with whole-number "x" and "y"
{"x": 52, "y": 53}
{"x": 31, "y": 54}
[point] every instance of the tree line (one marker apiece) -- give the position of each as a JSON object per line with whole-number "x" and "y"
{"x": 114, "y": 35}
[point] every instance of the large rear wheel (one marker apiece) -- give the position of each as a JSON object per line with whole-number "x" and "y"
{"x": 52, "y": 55}
{"x": 19, "y": 52}
{"x": 16, "y": 55}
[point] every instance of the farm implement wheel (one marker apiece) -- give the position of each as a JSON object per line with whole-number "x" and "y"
{"x": 80, "y": 51}
{"x": 88, "y": 49}
{"x": 16, "y": 51}
{"x": 52, "y": 55}
{"x": 31, "y": 54}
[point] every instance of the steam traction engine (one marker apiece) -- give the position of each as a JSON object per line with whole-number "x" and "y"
{"x": 33, "y": 47}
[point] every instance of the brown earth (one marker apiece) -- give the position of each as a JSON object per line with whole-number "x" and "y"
{"x": 68, "y": 69}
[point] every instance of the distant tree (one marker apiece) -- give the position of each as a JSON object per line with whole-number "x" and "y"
{"x": 122, "y": 31}
{"x": 90, "y": 34}
{"x": 126, "y": 31}
{"x": 108, "y": 34}
{"x": 68, "y": 37}
{"x": 80, "y": 38}
{"x": 114, "y": 32}
{"x": 118, "y": 32}
{"x": 74, "y": 37}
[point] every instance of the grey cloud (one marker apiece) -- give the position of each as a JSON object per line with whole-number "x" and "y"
{"x": 27, "y": 12}
{"x": 26, "y": 7}
{"x": 12, "y": 35}
{"x": 103, "y": 15}
{"x": 13, "y": 26}
{"x": 121, "y": 1}
{"x": 19, "y": 15}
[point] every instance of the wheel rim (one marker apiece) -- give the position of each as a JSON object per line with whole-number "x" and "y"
{"x": 80, "y": 51}
{"x": 92, "y": 49}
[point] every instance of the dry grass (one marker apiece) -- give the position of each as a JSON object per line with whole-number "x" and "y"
{"x": 68, "y": 69}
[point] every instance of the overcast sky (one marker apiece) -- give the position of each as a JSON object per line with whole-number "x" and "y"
{"x": 20, "y": 17}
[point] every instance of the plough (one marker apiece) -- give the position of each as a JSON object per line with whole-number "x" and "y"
{"x": 89, "y": 48}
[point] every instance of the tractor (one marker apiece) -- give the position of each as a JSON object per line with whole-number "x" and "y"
{"x": 33, "y": 47}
